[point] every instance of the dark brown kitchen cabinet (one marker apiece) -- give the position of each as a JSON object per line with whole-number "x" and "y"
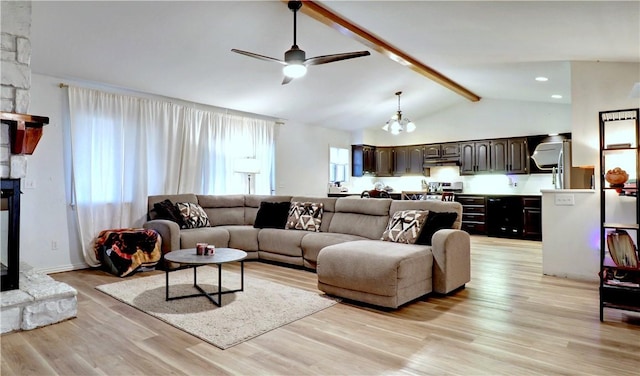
{"x": 384, "y": 161}
{"x": 400, "y": 157}
{"x": 473, "y": 213}
{"x": 416, "y": 160}
{"x": 408, "y": 160}
{"x": 450, "y": 150}
{"x": 518, "y": 155}
{"x": 475, "y": 157}
{"x": 510, "y": 155}
{"x": 432, "y": 151}
{"x": 532, "y": 222}
{"x": 363, "y": 160}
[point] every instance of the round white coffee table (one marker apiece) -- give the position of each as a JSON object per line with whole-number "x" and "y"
{"x": 189, "y": 259}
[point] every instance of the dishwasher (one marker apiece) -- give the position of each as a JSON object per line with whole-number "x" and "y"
{"x": 504, "y": 217}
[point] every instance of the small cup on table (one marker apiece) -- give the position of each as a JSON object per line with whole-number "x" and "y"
{"x": 200, "y": 248}
{"x": 210, "y": 250}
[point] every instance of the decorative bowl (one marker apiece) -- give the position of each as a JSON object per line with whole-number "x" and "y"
{"x": 616, "y": 177}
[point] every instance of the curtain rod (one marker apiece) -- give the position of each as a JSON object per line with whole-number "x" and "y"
{"x": 227, "y": 111}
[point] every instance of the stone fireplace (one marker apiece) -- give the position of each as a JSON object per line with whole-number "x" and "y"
{"x": 28, "y": 299}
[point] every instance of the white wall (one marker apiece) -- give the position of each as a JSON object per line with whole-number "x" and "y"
{"x": 46, "y": 216}
{"x": 570, "y": 235}
{"x": 595, "y": 87}
{"x": 302, "y": 158}
{"x": 571, "y": 245}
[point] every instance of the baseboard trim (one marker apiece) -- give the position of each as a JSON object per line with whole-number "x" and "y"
{"x": 62, "y": 268}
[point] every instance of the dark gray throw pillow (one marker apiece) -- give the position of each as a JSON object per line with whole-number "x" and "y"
{"x": 168, "y": 210}
{"x": 435, "y": 221}
{"x": 272, "y": 215}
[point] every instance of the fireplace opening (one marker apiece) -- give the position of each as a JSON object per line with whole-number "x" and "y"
{"x": 10, "y": 234}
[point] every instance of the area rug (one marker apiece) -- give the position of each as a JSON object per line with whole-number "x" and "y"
{"x": 261, "y": 307}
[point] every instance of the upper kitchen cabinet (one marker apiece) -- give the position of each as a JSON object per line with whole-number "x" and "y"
{"x": 408, "y": 160}
{"x": 450, "y": 150}
{"x": 510, "y": 155}
{"x": 442, "y": 151}
{"x": 363, "y": 160}
{"x": 384, "y": 161}
{"x": 475, "y": 157}
{"x": 432, "y": 151}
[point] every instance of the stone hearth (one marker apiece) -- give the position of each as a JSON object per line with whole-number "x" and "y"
{"x": 39, "y": 301}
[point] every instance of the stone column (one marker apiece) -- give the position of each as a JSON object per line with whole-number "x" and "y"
{"x": 15, "y": 59}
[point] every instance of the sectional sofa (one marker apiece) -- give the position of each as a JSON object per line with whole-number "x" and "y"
{"x": 345, "y": 249}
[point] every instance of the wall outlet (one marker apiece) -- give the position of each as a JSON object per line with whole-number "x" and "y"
{"x": 565, "y": 199}
{"x": 29, "y": 184}
{"x": 54, "y": 245}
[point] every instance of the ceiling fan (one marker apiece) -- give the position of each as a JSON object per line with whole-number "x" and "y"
{"x": 295, "y": 61}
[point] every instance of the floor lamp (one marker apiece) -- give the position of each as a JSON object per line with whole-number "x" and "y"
{"x": 247, "y": 166}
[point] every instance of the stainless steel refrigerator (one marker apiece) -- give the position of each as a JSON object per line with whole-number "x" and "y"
{"x": 555, "y": 157}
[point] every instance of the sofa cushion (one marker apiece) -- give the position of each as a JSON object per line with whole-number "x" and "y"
{"x": 372, "y": 271}
{"x": 405, "y": 226}
{"x": 435, "y": 221}
{"x": 305, "y": 216}
{"x": 223, "y": 209}
{"x": 361, "y": 217}
{"x": 168, "y": 210}
{"x": 282, "y": 242}
{"x": 313, "y": 243}
{"x": 217, "y": 236}
{"x": 244, "y": 237}
{"x": 193, "y": 215}
{"x": 272, "y": 215}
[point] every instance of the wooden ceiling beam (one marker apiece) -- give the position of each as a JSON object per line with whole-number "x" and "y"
{"x": 346, "y": 27}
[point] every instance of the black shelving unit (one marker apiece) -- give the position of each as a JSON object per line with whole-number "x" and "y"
{"x": 619, "y": 144}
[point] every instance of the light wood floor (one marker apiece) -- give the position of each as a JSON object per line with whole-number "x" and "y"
{"x": 510, "y": 320}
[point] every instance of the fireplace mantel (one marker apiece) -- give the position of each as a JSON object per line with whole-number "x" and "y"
{"x": 24, "y": 131}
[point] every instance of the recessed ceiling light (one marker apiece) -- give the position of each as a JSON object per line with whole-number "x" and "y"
{"x": 556, "y": 96}
{"x": 541, "y": 79}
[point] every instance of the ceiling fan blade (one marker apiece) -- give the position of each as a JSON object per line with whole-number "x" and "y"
{"x": 286, "y": 80}
{"x": 336, "y": 57}
{"x": 257, "y": 56}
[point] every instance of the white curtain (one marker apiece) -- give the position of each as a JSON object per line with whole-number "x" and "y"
{"x": 124, "y": 149}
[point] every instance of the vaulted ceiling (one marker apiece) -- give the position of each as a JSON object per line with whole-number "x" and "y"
{"x": 182, "y": 49}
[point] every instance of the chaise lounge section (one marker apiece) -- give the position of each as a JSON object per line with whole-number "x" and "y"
{"x": 346, "y": 252}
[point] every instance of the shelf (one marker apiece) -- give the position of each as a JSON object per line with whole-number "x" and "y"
{"x": 618, "y": 151}
{"x": 619, "y": 285}
{"x": 624, "y": 226}
{"x": 609, "y": 263}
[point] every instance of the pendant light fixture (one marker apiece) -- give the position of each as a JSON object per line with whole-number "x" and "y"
{"x": 397, "y": 124}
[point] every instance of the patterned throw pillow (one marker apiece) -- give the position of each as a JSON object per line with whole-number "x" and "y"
{"x": 405, "y": 226}
{"x": 305, "y": 216}
{"x": 193, "y": 215}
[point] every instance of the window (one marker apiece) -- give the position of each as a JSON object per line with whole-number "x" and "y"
{"x": 338, "y": 164}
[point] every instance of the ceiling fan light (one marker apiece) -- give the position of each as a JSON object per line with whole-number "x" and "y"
{"x": 396, "y": 131}
{"x": 386, "y": 127}
{"x": 411, "y": 127}
{"x": 294, "y": 70}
